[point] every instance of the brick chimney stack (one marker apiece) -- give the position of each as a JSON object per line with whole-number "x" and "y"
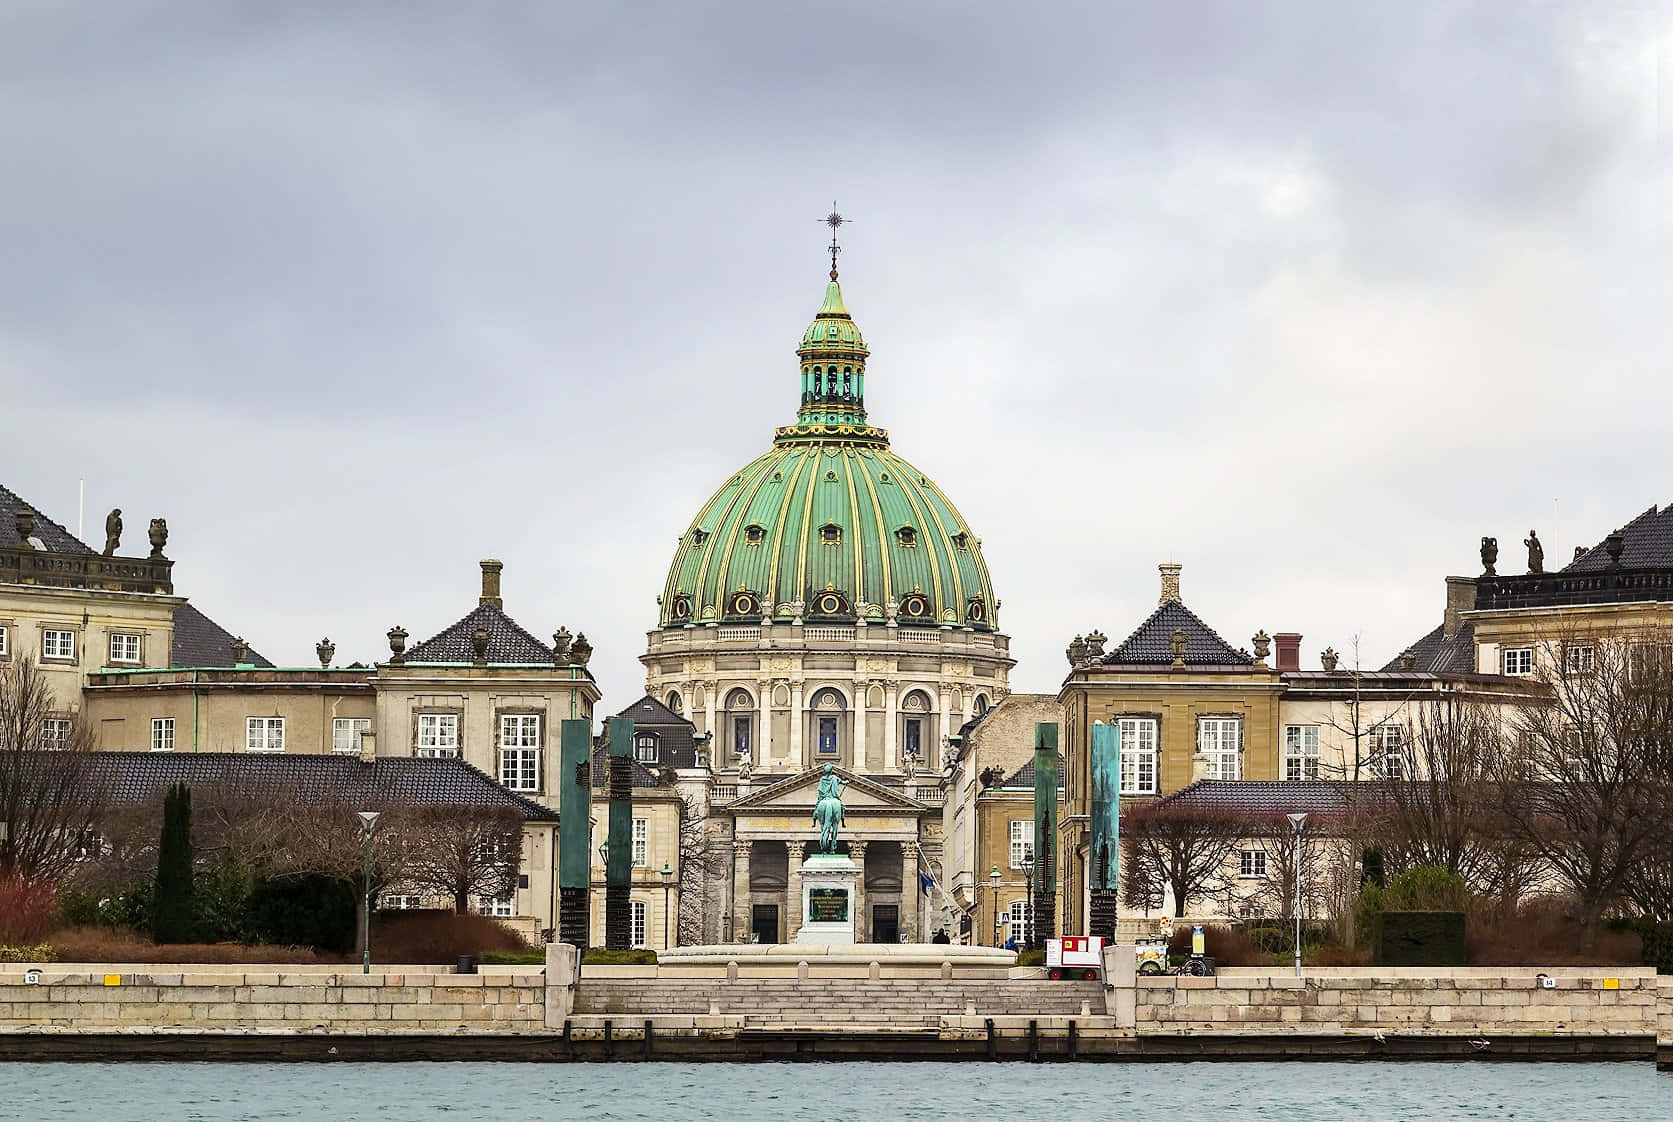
{"x": 491, "y": 570}
{"x": 1460, "y": 598}
{"x": 1289, "y": 650}
{"x": 1170, "y": 582}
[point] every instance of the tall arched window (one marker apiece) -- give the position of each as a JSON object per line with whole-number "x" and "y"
{"x": 914, "y": 723}
{"x": 981, "y": 704}
{"x": 829, "y": 708}
{"x": 740, "y": 722}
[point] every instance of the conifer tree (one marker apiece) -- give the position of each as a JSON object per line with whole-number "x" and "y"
{"x": 171, "y": 914}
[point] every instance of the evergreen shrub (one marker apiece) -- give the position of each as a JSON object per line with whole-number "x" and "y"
{"x": 1420, "y": 938}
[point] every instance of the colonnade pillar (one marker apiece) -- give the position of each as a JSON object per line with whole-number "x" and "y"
{"x": 859, "y": 762}
{"x": 797, "y": 720}
{"x": 891, "y": 727}
{"x": 740, "y": 892}
{"x": 793, "y": 898}
{"x": 862, "y": 922}
{"x": 909, "y": 892}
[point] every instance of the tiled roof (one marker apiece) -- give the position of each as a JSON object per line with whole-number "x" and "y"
{"x": 1437, "y": 654}
{"x": 1647, "y": 544}
{"x": 1023, "y": 777}
{"x": 507, "y": 641}
{"x": 676, "y": 736}
{"x": 200, "y": 641}
{"x": 1152, "y": 643}
{"x": 642, "y": 775}
{"x": 50, "y": 533}
{"x": 1261, "y": 798}
{"x": 138, "y": 777}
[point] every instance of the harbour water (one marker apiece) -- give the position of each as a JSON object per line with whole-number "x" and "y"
{"x": 904, "y": 1092}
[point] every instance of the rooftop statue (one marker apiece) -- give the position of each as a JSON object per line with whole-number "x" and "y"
{"x": 113, "y": 531}
{"x": 1536, "y": 553}
{"x": 828, "y": 814}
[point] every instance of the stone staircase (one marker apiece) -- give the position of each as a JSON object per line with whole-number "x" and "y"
{"x": 893, "y": 1003}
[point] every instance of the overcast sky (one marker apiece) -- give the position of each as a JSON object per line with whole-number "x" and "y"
{"x": 1308, "y": 297}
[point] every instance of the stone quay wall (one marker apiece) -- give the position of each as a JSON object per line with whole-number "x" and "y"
{"x": 209, "y": 999}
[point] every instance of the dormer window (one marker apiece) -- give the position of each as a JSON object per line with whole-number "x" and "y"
{"x": 754, "y": 534}
{"x": 645, "y": 748}
{"x": 682, "y": 607}
{"x": 915, "y": 606}
{"x": 907, "y": 536}
{"x": 961, "y": 541}
{"x": 830, "y": 534}
{"x": 699, "y": 536}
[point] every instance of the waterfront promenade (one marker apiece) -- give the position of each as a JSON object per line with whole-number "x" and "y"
{"x": 749, "y": 1007}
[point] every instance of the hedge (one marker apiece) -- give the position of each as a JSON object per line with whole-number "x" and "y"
{"x": 1658, "y": 946}
{"x": 1420, "y": 939}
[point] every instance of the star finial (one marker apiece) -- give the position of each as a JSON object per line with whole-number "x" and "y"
{"x": 834, "y": 220}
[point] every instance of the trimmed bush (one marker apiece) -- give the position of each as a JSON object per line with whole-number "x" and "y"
{"x": 306, "y": 911}
{"x": 598, "y": 956}
{"x": 514, "y": 958}
{"x": 1411, "y": 938}
{"x": 1031, "y": 958}
{"x": 1658, "y": 945}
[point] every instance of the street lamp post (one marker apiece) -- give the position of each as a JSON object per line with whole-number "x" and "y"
{"x": 1028, "y": 901}
{"x": 993, "y": 883}
{"x": 368, "y": 819}
{"x": 1298, "y": 821}
{"x": 604, "y": 860}
{"x": 667, "y": 883}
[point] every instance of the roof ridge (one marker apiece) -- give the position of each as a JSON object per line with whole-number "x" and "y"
{"x": 415, "y": 653}
{"x": 1236, "y": 656}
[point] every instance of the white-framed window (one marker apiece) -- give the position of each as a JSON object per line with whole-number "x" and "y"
{"x": 345, "y": 732}
{"x": 1388, "y": 760}
{"x": 1518, "y": 661}
{"x": 641, "y": 842}
{"x": 1019, "y": 918}
{"x": 1219, "y": 739}
{"x": 520, "y": 751}
{"x": 638, "y": 913}
{"x": 162, "y": 734}
{"x": 1301, "y": 752}
{"x": 501, "y": 907}
{"x": 399, "y": 902}
{"x": 740, "y": 736}
{"x": 55, "y": 732}
{"x": 438, "y": 734}
{"x": 1022, "y": 840}
{"x": 124, "y": 648}
{"x": 914, "y": 735}
{"x": 646, "y": 748}
{"x": 1251, "y": 863}
{"x": 1580, "y": 659}
{"x": 58, "y": 645}
{"x": 264, "y": 734}
{"x": 1138, "y": 755}
{"x": 5, "y": 641}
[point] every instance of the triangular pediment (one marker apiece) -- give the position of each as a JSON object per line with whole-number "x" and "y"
{"x": 801, "y": 791}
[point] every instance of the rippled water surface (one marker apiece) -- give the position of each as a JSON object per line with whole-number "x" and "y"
{"x": 1016, "y": 1092}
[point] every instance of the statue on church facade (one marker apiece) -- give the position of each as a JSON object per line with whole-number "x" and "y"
{"x": 113, "y": 531}
{"x": 828, "y": 813}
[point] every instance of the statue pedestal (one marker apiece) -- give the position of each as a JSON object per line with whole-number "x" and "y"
{"x": 829, "y": 881}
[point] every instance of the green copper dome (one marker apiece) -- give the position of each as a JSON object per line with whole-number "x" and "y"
{"x": 830, "y": 525}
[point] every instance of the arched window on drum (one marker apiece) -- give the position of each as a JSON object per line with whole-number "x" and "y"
{"x": 740, "y": 723}
{"x": 915, "y": 719}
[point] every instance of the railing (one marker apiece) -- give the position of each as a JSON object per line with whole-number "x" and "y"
{"x": 723, "y": 793}
{"x": 739, "y": 634}
{"x": 929, "y": 796}
{"x": 1546, "y": 589}
{"x": 828, "y": 634}
{"x": 920, "y": 635}
{"x": 23, "y": 565}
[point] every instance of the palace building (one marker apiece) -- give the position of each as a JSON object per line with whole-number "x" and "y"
{"x": 827, "y": 605}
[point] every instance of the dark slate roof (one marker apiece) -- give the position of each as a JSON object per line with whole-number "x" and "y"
{"x": 1437, "y": 654}
{"x": 507, "y": 641}
{"x": 138, "y": 777}
{"x": 1152, "y": 643}
{"x": 200, "y": 641}
{"x": 1023, "y": 777}
{"x": 642, "y": 775}
{"x": 50, "y": 533}
{"x": 1647, "y": 544}
{"x": 676, "y": 736}
{"x": 1261, "y": 798}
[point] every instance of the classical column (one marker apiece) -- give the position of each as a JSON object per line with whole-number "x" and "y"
{"x": 932, "y": 744}
{"x": 740, "y": 892}
{"x": 722, "y": 757}
{"x": 798, "y": 719}
{"x": 793, "y": 903}
{"x": 862, "y": 922}
{"x": 909, "y": 892}
{"x": 763, "y": 723}
{"x": 860, "y": 690}
{"x": 891, "y": 727}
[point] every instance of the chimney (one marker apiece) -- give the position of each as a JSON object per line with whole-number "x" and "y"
{"x": 1170, "y": 582}
{"x": 1460, "y": 598}
{"x": 368, "y": 746}
{"x": 1289, "y": 650}
{"x": 491, "y": 582}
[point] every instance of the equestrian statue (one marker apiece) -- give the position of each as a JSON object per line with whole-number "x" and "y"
{"x": 828, "y": 814}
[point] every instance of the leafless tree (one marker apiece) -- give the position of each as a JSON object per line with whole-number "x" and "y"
{"x": 703, "y": 867}
{"x": 1285, "y": 861}
{"x": 1585, "y": 784}
{"x": 461, "y": 852}
{"x": 51, "y": 792}
{"x": 1180, "y": 850}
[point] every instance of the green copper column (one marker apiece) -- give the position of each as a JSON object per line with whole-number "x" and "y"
{"x": 618, "y": 864}
{"x": 1045, "y": 832}
{"x": 1103, "y": 877}
{"x": 574, "y": 832}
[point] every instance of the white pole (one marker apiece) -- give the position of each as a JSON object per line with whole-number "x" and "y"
{"x": 81, "y": 505}
{"x": 1298, "y": 821}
